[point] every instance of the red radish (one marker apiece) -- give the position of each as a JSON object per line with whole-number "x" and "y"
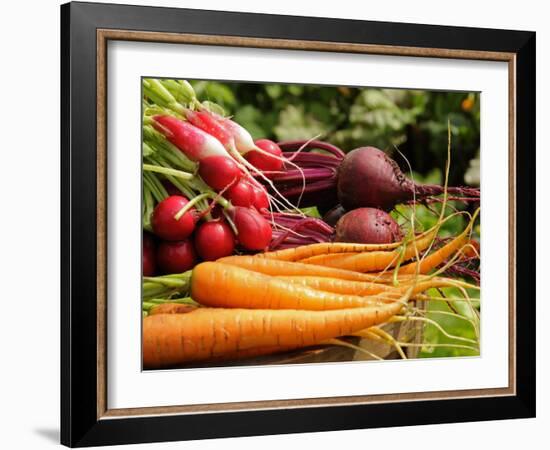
{"x": 219, "y": 171}
{"x": 367, "y": 226}
{"x": 212, "y": 124}
{"x": 261, "y": 199}
{"x": 164, "y": 222}
{"x": 176, "y": 257}
{"x": 192, "y": 141}
{"x": 263, "y": 161}
{"x": 214, "y": 240}
{"x": 216, "y": 167}
{"x": 148, "y": 259}
{"x": 254, "y": 232}
{"x": 240, "y": 193}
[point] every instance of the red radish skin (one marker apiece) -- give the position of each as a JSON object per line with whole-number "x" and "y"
{"x": 367, "y": 226}
{"x": 208, "y": 123}
{"x": 214, "y": 240}
{"x": 218, "y": 172}
{"x": 265, "y": 162}
{"x": 176, "y": 257}
{"x": 195, "y": 143}
{"x": 254, "y": 232}
{"x": 148, "y": 259}
{"x": 261, "y": 199}
{"x": 164, "y": 223}
{"x": 240, "y": 193}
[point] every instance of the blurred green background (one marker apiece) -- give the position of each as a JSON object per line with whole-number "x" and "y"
{"x": 415, "y": 122}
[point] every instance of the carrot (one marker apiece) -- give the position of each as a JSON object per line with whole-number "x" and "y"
{"x": 372, "y": 261}
{"x": 270, "y": 266}
{"x": 436, "y": 258}
{"x": 365, "y": 288}
{"x": 209, "y": 333}
{"x": 307, "y": 251}
{"x": 325, "y": 248}
{"x": 338, "y": 286}
{"x": 171, "y": 308}
{"x": 225, "y": 286}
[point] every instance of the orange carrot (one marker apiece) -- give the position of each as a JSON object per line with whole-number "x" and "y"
{"x": 436, "y": 258}
{"x": 372, "y": 261}
{"x": 307, "y": 251}
{"x": 368, "y": 289}
{"x": 326, "y": 248}
{"x": 276, "y": 267}
{"x": 338, "y": 286}
{"x": 221, "y": 285}
{"x": 209, "y": 333}
{"x": 171, "y": 308}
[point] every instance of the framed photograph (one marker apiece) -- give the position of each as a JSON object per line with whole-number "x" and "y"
{"x": 277, "y": 224}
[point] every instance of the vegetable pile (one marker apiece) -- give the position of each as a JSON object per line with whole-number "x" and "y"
{"x": 238, "y": 263}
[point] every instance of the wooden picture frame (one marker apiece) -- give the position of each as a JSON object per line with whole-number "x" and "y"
{"x": 85, "y": 30}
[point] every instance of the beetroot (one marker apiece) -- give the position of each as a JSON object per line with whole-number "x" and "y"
{"x": 332, "y": 216}
{"x": 148, "y": 259}
{"x": 165, "y": 224}
{"x": 369, "y": 177}
{"x": 365, "y": 177}
{"x": 176, "y": 257}
{"x": 214, "y": 240}
{"x": 367, "y": 226}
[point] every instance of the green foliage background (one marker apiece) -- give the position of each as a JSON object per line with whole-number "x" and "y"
{"x": 414, "y": 121}
{"x": 409, "y": 124}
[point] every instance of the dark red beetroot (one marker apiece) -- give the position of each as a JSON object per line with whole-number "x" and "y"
{"x": 333, "y": 216}
{"x": 368, "y": 177}
{"x": 164, "y": 223}
{"x": 265, "y": 162}
{"x": 219, "y": 171}
{"x": 148, "y": 259}
{"x": 367, "y": 226}
{"x": 176, "y": 257}
{"x": 365, "y": 177}
{"x": 214, "y": 240}
{"x": 254, "y": 232}
{"x": 240, "y": 193}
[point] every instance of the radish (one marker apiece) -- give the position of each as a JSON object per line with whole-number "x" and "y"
{"x": 218, "y": 172}
{"x": 261, "y": 199}
{"x": 241, "y": 193}
{"x": 176, "y": 256}
{"x": 365, "y": 177}
{"x": 214, "y": 240}
{"x": 164, "y": 223}
{"x": 253, "y": 231}
{"x": 367, "y": 226}
{"x": 216, "y": 167}
{"x": 264, "y": 161}
{"x": 148, "y": 259}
